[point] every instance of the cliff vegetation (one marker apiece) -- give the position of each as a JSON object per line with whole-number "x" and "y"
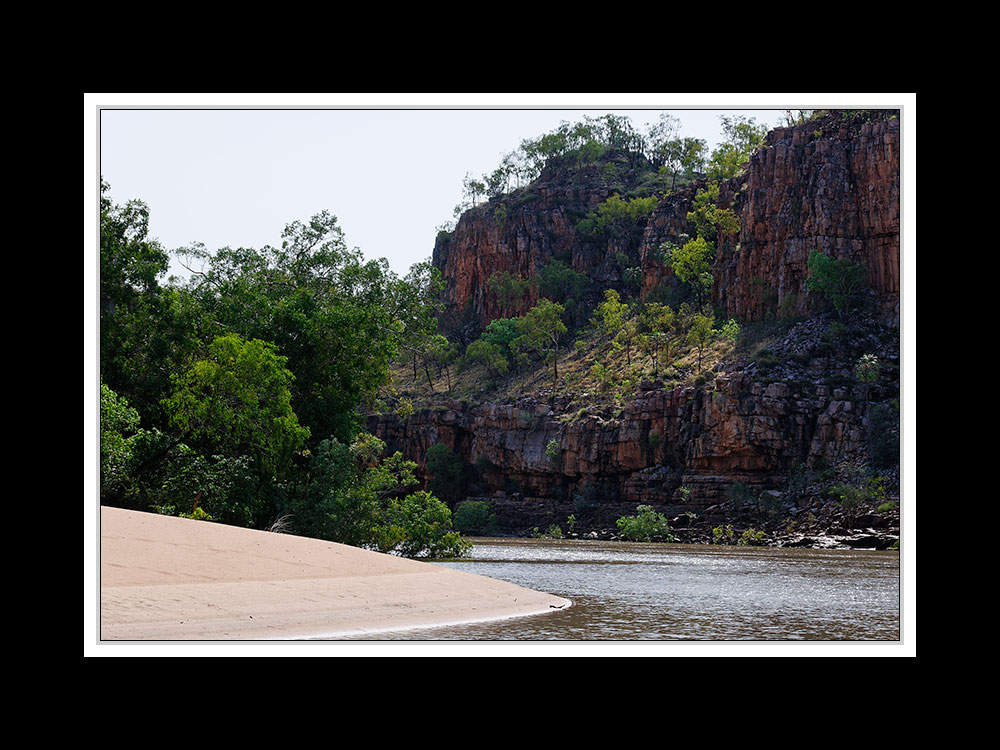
{"x": 713, "y": 336}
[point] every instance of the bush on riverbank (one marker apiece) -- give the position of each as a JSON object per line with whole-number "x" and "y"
{"x": 646, "y": 526}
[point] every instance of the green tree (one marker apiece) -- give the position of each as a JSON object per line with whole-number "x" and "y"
{"x": 700, "y": 334}
{"x": 509, "y": 288}
{"x": 119, "y": 422}
{"x": 659, "y": 136}
{"x": 353, "y": 495}
{"x": 147, "y": 329}
{"x": 627, "y": 337}
{"x": 473, "y": 188}
{"x": 475, "y": 517}
{"x": 238, "y": 400}
{"x": 656, "y": 321}
{"x": 449, "y": 473}
{"x": 685, "y": 158}
{"x": 151, "y": 470}
{"x": 839, "y": 280}
{"x": 692, "y": 264}
{"x": 741, "y": 135}
{"x": 617, "y": 218}
{"x": 416, "y": 303}
{"x": 542, "y": 329}
{"x": 333, "y": 314}
{"x": 489, "y": 355}
{"x": 703, "y": 213}
{"x": 560, "y": 283}
{"x": 501, "y": 333}
{"x": 610, "y": 315}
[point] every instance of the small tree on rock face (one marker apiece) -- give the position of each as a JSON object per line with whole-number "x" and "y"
{"x": 838, "y": 280}
{"x": 692, "y": 264}
{"x": 509, "y": 289}
{"x": 867, "y": 368}
{"x": 741, "y": 135}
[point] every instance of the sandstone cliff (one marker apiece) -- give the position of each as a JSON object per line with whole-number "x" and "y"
{"x": 523, "y": 231}
{"x": 749, "y": 427}
{"x": 830, "y": 184}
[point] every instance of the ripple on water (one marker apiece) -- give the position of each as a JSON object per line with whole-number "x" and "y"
{"x": 686, "y": 592}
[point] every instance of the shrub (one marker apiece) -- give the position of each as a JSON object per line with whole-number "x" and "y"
{"x": 867, "y": 368}
{"x": 730, "y": 330}
{"x": 838, "y": 280}
{"x": 553, "y": 532}
{"x": 751, "y": 538}
{"x": 475, "y": 517}
{"x": 552, "y": 450}
{"x": 645, "y": 526}
{"x": 198, "y": 514}
{"x": 854, "y": 497}
{"x": 723, "y": 535}
{"x": 424, "y": 523}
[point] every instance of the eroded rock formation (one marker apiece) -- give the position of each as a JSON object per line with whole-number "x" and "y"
{"x": 743, "y": 429}
{"x": 831, "y": 184}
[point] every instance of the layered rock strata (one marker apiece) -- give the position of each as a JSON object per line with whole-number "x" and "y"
{"x": 743, "y": 429}
{"x": 832, "y": 184}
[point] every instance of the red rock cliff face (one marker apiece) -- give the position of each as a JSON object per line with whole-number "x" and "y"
{"x": 520, "y": 233}
{"x": 744, "y": 431}
{"x": 832, "y": 184}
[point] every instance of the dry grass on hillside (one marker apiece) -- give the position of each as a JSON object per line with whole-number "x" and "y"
{"x": 592, "y": 371}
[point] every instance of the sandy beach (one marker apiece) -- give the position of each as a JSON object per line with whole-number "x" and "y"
{"x": 174, "y": 579}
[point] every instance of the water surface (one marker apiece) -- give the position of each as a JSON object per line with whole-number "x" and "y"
{"x": 623, "y": 591}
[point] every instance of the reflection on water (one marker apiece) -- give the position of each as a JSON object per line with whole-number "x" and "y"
{"x": 624, "y": 591}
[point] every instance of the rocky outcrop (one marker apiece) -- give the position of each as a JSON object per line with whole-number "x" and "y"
{"x": 521, "y": 232}
{"x": 832, "y": 184}
{"x": 539, "y": 460}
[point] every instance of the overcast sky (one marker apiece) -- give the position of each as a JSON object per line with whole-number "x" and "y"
{"x": 236, "y": 177}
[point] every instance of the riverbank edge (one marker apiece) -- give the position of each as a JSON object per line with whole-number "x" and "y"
{"x": 165, "y": 579}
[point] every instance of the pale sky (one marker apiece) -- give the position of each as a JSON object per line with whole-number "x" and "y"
{"x": 390, "y": 175}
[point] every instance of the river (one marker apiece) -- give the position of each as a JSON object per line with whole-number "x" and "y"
{"x": 676, "y": 592}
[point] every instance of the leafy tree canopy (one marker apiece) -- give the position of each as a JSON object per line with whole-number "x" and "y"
{"x": 741, "y": 136}
{"x": 238, "y": 400}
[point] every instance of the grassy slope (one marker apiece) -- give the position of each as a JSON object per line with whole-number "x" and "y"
{"x": 579, "y": 386}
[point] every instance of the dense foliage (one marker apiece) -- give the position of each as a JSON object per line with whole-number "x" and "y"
{"x": 236, "y": 394}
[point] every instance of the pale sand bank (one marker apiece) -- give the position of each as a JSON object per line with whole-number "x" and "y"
{"x": 164, "y": 579}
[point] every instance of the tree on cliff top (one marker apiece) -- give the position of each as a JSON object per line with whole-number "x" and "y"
{"x": 741, "y": 135}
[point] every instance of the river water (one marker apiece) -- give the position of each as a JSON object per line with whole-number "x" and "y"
{"x": 670, "y": 592}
